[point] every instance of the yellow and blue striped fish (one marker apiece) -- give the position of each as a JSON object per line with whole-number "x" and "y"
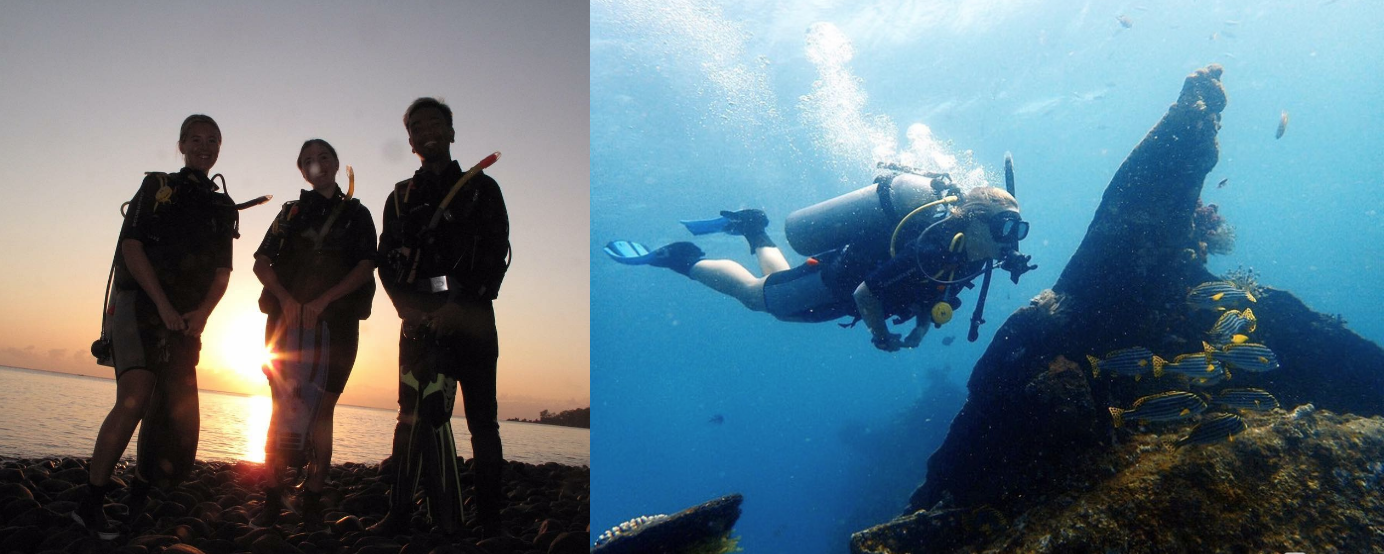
{"x": 1213, "y": 430}
{"x": 1220, "y": 375}
{"x": 1247, "y": 399}
{"x": 1218, "y": 295}
{"x": 1247, "y": 356}
{"x": 1196, "y": 365}
{"x": 1134, "y": 361}
{"x": 1166, "y": 406}
{"x": 1234, "y": 326}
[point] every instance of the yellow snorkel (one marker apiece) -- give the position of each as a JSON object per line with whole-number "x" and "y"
{"x": 351, "y": 179}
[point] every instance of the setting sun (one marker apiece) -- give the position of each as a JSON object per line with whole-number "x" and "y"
{"x": 243, "y": 346}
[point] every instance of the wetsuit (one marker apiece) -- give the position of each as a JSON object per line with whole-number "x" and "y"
{"x": 462, "y": 260}
{"x": 308, "y": 263}
{"x": 186, "y": 228}
{"x": 823, "y": 291}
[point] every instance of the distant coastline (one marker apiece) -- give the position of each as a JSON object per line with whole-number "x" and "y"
{"x": 580, "y": 417}
{"x": 244, "y": 395}
{"x": 99, "y": 378}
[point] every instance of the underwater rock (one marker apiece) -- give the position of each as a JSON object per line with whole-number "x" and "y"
{"x": 691, "y": 530}
{"x": 1035, "y": 432}
{"x": 1306, "y": 484}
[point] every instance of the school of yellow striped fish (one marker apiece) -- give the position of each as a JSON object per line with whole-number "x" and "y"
{"x": 1226, "y": 348}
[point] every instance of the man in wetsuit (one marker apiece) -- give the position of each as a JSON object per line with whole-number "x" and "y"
{"x": 441, "y": 264}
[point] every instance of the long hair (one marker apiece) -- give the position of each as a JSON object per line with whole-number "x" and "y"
{"x": 985, "y": 202}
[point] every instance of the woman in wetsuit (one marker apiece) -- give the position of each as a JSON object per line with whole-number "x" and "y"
{"x": 317, "y": 264}
{"x": 872, "y": 277}
{"x": 172, "y": 265}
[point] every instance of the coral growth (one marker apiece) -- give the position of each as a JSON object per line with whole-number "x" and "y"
{"x": 1211, "y": 231}
{"x": 701, "y": 529}
{"x": 1296, "y": 480}
{"x": 1247, "y": 279}
{"x": 724, "y": 544}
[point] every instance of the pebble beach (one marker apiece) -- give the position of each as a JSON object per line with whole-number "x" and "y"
{"x": 548, "y": 511}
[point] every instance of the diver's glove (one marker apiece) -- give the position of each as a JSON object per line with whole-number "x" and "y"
{"x": 1016, "y": 264}
{"x": 888, "y": 342}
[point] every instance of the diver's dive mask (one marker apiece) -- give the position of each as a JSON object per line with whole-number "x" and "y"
{"x": 1008, "y": 227}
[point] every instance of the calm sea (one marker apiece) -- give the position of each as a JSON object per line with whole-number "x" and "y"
{"x": 52, "y": 414}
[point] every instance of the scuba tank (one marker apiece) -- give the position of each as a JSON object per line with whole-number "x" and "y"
{"x": 869, "y": 213}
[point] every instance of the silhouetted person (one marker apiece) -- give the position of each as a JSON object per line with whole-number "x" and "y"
{"x": 444, "y": 252}
{"x": 172, "y": 266}
{"x": 317, "y": 264}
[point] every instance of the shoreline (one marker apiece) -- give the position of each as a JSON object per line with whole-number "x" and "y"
{"x": 547, "y": 511}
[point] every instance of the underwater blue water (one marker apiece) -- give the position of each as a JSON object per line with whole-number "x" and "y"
{"x": 699, "y": 106}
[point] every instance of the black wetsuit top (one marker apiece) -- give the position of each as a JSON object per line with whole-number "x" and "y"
{"x": 308, "y": 267}
{"x": 898, "y": 282}
{"x": 469, "y": 246}
{"x": 186, "y": 236}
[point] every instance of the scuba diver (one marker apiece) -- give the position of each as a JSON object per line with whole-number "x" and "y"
{"x": 444, "y": 251}
{"x": 171, "y": 267}
{"x": 317, "y": 265}
{"x": 904, "y": 246}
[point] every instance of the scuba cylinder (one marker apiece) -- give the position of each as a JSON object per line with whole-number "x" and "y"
{"x": 869, "y": 213}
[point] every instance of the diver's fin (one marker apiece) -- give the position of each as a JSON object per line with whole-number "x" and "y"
{"x": 678, "y": 256}
{"x": 705, "y": 226}
{"x": 631, "y": 253}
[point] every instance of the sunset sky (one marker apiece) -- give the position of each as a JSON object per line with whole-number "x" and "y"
{"x": 91, "y": 97}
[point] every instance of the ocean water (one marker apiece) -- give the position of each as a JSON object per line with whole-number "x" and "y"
{"x": 54, "y": 414}
{"x": 700, "y": 106}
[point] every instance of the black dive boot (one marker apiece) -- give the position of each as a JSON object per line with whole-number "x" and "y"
{"x": 749, "y": 224}
{"x": 273, "y": 503}
{"x": 311, "y": 508}
{"x": 138, "y": 502}
{"x": 393, "y": 524}
{"x": 679, "y": 257}
{"x": 91, "y": 513}
{"x": 745, "y": 222}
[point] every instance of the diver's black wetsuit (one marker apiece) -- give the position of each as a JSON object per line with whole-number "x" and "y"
{"x": 462, "y": 261}
{"x": 823, "y": 291}
{"x": 186, "y": 228}
{"x": 308, "y": 265}
{"x": 307, "y": 268}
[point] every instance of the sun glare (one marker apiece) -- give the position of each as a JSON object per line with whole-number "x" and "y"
{"x": 243, "y": 345}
